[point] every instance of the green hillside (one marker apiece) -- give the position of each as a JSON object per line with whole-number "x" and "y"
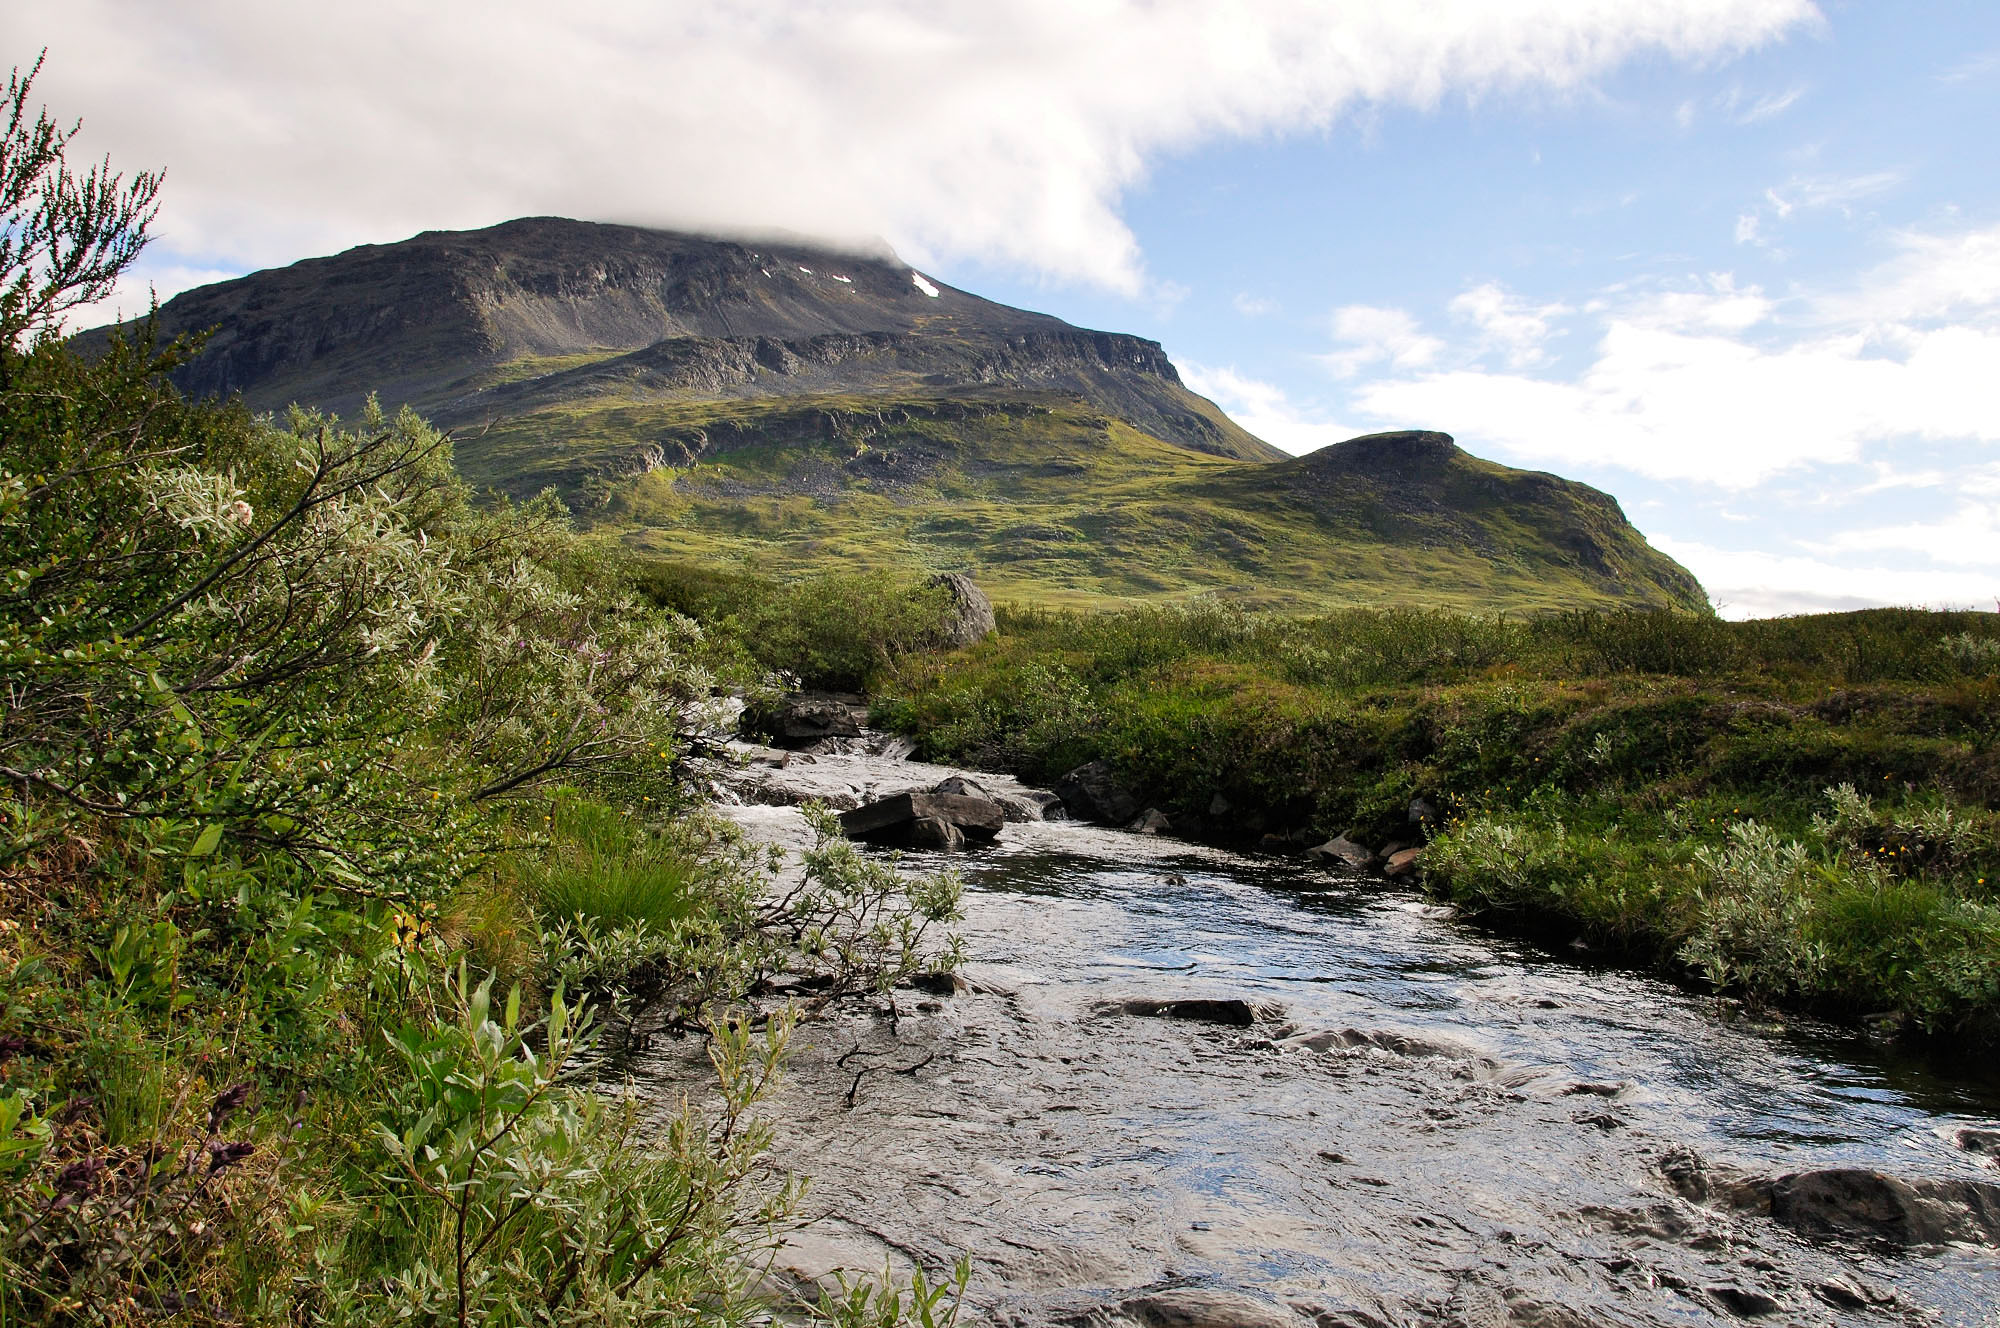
{"x": 1046, "y": 500}
{"x": 793, "y": 408}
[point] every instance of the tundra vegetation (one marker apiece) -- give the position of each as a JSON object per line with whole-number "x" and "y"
{"x": 1799, "y": 810}
{"x": 344, "y": 827}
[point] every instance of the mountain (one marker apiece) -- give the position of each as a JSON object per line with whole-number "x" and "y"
{"x": 474, "y": 326}
{"x": 797, "y": 408}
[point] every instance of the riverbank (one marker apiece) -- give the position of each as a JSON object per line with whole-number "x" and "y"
{"x": 1182, "y": 1084}
{"x": 1800, "y": 811}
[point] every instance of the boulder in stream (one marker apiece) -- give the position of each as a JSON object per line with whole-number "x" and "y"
{"x": 1980, "y": 1141}
{"x": 1854, "y": 1201}
{"x": 1093, "y": 793}
{"x": 806, "y": 719}
{"x": 1850, "y": 1203}
{"x": 925, "y": 820}
{"x": 1026, "y": 805}
{"x": 1233, "y": 1011}
{"x": 1340, "y": 849}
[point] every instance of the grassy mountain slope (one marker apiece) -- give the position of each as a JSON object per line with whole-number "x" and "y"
{"x": 1048, "y": 501}
{"x": 793, "y": 407}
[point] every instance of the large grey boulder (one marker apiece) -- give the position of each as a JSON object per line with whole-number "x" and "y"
{"x": 805, "y": 720}
{"x": 968, "y": 613}
{"x": 1093, "y": 793}
{"x": 926, "y": 820}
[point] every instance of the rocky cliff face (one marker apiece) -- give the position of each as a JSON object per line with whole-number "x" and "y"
{"x": 471, "y": 327}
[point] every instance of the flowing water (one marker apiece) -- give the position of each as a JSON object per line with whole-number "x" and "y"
{"x": 1423, "y": 1122}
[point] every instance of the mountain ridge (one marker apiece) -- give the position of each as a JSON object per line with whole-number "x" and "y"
{"x": 433, "y": 322}
{"x": 794, "y": 407}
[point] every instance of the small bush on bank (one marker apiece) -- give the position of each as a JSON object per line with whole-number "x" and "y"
{"x": 835, "y": 632}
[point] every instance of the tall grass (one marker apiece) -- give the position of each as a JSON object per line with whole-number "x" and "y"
{"x": 597, "y": 865}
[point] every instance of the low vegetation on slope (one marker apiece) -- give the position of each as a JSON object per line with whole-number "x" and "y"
{"x": 1801, "y": 810}
{"x": 1044, "y": 500}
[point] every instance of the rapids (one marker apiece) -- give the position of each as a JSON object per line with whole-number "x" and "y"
{"x": 1422, "y": 1123}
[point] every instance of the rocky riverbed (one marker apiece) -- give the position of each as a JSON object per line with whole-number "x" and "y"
{"x": 1178, "y": 1086}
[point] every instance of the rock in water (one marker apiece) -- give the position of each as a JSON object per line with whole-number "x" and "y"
{"x": 935, "y": 832}
{"x": 1202, "y": 1307}
{"x": 926, "y": 820}
{"x": 1343, "y": 850}
{"x": 1092, "y": 793}
{"x": 1402, "y": 863}
{"x": 968, "y": 613}
{"x": 1854, "y": 1201}
{"x": 801, "y": 721}
{"x": 1234, "y": 1011}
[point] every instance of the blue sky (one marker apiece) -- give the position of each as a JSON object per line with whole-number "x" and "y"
{"x": 1735, "y": 261}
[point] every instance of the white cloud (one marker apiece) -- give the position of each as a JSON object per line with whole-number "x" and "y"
{"x": 1749, "y": 583}
{"x": 1518, "y": 328}
{"x": 1932, "y": 277}
{"x": 1253, "y": 306}
{"x": 1264, "y": 409}
{"x": 1972, "y": 69}
{"x": 1709, "y": 383}
{"x": 1767, "y": 107}
{"x": 1002, "y": 132}
{"x": 1376, "y": 335}
{"x": 1968, "y": 537}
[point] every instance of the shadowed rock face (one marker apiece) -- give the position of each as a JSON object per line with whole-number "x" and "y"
{"x": 426, "y": 321}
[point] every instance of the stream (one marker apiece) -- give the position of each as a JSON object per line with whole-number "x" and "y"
{"x": 1414, "y": 1121}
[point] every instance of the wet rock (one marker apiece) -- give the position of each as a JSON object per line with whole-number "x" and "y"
{"x": 1219, "y": 806}
{"x": 1202, "y": 1307}
{"x": 1853, "y": 1201}
{"x": 1743, "y": 1302}
{"x": 940, "y": 984}
{"x": 1402, "y": 863}
{"x": 1846, "y": 1294}
{"x": 958, "y": 786}
{"x": 968, "y": 613}
{"x": 1152, "y": 821}
{"x": 1340, "y": 849}
{"x": 1400, "y": 1044}
{"x": 1423, "y": 812}
{"x": 929, "y": 820}
{"x": 802, "y": 721}
{"x": 1206, "y": 1010}
{"x": 1274, "y": 844}
{"x": 1093, "y": 793}
{"x": 1980, "y": 1141}
{"x": 1031, "y": 805}
{"x": 936, "y": 833}
{"x": 1698, "y": 1182}
{"x": 1027, "y": 805}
